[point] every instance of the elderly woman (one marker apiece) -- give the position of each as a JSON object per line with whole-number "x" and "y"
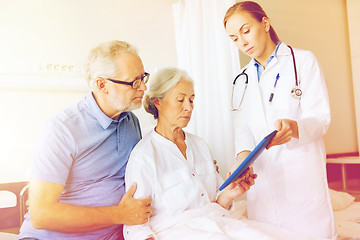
{"x": 175, "y": 168}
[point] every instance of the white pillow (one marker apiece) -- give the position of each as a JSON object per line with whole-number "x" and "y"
{"x": 340, "y": 200}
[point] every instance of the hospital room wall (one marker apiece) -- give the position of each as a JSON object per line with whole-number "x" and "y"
{"x": 36, "y": 33}
{"x": 41, "y": 32}
{"x": 353, "y": 13}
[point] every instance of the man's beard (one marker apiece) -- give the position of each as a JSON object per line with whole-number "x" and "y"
{"x": 129, "y": 107}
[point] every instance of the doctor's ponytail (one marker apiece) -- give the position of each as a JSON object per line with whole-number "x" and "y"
{"x": 254, "y": 10}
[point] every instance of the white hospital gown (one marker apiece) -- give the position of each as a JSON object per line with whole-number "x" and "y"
{"x": 183, "y": 194}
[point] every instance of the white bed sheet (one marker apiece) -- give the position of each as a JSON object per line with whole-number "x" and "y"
{"x": 348, "y": 222}
{"x": 346, "y": 213}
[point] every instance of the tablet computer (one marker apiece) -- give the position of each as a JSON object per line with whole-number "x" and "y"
{"x": 249, "y": 160}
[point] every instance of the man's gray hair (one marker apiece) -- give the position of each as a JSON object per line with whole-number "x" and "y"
{"x": 101, "y": 60}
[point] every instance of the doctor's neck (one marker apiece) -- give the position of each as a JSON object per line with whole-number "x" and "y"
{"x": 269, "y": 48}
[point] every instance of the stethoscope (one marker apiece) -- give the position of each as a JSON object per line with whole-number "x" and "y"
{"x": 295, "y": 92}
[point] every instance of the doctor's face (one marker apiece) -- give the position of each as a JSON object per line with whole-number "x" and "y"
{"x": 176, "y": 108}
{"x": 249, "y": 35}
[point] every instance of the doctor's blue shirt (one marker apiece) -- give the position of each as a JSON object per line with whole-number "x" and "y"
{"x": 260, "y": 68}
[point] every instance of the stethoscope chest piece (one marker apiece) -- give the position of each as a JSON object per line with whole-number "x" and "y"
{"x": 296, "y": 93}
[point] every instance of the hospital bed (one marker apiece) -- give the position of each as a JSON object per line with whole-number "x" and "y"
{"x": 346, "y": 213}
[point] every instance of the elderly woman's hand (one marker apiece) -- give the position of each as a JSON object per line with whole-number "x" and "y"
{"x": 236, "y": 188}
{"x": 247, "y": 179}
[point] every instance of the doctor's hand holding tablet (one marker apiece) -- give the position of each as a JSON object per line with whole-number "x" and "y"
{"x": 280, "y": 89}
{"x": 286, "y": 129}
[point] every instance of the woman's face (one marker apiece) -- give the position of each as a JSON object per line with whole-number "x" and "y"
{"x": 249, "y": 35}
{"x": 176, "y": 108}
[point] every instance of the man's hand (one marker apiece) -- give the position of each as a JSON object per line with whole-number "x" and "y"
{"x": 48, "y": 212}
{"x": 286, "y": 130}
{"x": 134, "y": 211}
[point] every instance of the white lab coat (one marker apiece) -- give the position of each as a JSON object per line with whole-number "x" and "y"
{"x": 291, "y": 190}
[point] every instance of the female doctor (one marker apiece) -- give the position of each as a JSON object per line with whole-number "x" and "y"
{"x": 283, "y": 88}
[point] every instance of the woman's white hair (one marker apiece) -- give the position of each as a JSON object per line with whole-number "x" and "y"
{"x": 101, "y": 60}
{"x": 160, "y": 84}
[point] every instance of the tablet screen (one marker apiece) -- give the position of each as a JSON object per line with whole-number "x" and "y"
{"x": 249, "y": 160}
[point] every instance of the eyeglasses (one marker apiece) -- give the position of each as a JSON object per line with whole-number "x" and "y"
{"x": 136, "y": 83}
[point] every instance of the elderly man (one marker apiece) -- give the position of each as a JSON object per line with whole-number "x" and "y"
{"x": 77, "y": 177}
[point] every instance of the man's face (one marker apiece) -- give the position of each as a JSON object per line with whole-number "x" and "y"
{"x": 120, "y": 97}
